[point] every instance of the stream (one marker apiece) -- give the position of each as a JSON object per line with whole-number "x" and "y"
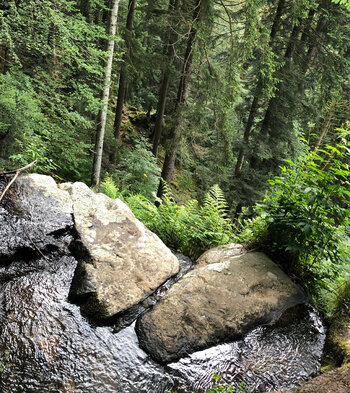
{"x": 52, "y": 348}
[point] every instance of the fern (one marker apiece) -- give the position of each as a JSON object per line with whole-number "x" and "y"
{"x": 109, "y": 188}
{"x": 189, "y": 228}
{"x": 215, "y": 200}
{"x": 214, "y": 214}
{"x": 144, "y": 210}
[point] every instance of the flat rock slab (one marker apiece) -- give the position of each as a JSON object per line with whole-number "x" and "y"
{"x": 215, "y": 303}
{"x": 33, "y": 214}
{"x": 120, "y": 262}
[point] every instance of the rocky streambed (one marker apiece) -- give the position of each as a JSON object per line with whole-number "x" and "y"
{"x": 77, "y": 269}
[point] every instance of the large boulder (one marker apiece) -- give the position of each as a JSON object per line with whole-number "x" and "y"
{"x": 217, "y": 302}
{"x": 120, "y": 262}
{"x": 34, "y": 214}
{"x": 218, "y": 254}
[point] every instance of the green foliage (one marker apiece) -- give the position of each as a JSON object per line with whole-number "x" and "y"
{"x": 269, "y": 65}
{"x": 108, "y": 187}
{"x": 346, "y": 3}
{"x": 189, "y": 228}
{"x": 4, "y": 361}
{"x": 342, "y": 301}
{"x": 49, "y": 86}
{"x": 303, "y": 218}
{"x": 34, "y": 148}
{"x": 32, "y": 128}
{"x": 218, "y": 388}
{"x": 137, "y": 170}
{"x": 334, "y": 297}
{"x": 20, "y": 118}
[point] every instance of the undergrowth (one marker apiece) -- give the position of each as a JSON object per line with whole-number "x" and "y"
{"x": 302, "y": 224}
{"x": 190, "y": 228}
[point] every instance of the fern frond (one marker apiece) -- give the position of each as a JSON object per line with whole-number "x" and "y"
{"x": 109, "y": 187}
{"x": 215, "y": 199}
{"x": 168, "y": 196}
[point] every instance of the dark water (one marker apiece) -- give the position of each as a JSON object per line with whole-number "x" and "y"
{"x": 52, "y": 348}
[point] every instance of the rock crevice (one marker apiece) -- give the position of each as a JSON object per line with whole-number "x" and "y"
{"x": 120, "y": 262}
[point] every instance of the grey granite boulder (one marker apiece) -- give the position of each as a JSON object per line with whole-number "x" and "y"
{"x": 218, "y": 254}
{"x": 217, "y": 302}
{"x": 120, "y": 262}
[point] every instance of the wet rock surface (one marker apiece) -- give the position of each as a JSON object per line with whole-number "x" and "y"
{"x": 48, "y": 346}
{"x": 218, "y": 254}
{"x": 120, "y": 262}
{"x": 216, "y": 303}
{"x": 126, "y": 318}
{"x": 52, "y": 348}
{"x": 35, "y": 216}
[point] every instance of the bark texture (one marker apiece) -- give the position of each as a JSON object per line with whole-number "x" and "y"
{"x": 102, "y": 118}
{"x": 124, "y": 70}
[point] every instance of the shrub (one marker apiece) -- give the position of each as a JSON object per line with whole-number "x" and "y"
{"x": 137, "y": 171}
{"x": 189, "y": 228}
{"x": 303, "y": 219}
{"x": 38, "y": 126}
{"x": 109, "y": 187}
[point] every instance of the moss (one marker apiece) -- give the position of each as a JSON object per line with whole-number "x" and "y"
{"x": 337, "y": 347}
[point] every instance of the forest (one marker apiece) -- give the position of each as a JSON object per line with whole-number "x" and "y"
{"x": 215, "y": 120}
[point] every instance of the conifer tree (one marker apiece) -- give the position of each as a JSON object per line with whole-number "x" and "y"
{"x": 200, "y": 11}
{"x": 123, "y": 71}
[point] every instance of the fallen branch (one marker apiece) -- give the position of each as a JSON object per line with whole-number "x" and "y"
{"x": 15, "y": 174}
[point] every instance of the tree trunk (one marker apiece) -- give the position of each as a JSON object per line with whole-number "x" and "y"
{"x": 247, "y": 130}
{"x": 288, "y": 57}
{"x": 4, "y": 59}
{"x": 85, "y": 9}
{"x": 163, "y": 91}
{"x": 314, "y": 43}
{"x": 124, "y": 70}
{"x": 182, "y": 96}
{"x": 326, "y": 125}
{"x": 102, "y": 118}
{"x": 255, "y": 103}
{"x": 307, "y": 27}
{"x": 161, "y": 109}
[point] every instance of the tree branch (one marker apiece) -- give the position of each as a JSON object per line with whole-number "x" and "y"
{"x": 15, "y": 175}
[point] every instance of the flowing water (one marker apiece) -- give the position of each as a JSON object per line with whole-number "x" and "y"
{"x": 52, "y": 348}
